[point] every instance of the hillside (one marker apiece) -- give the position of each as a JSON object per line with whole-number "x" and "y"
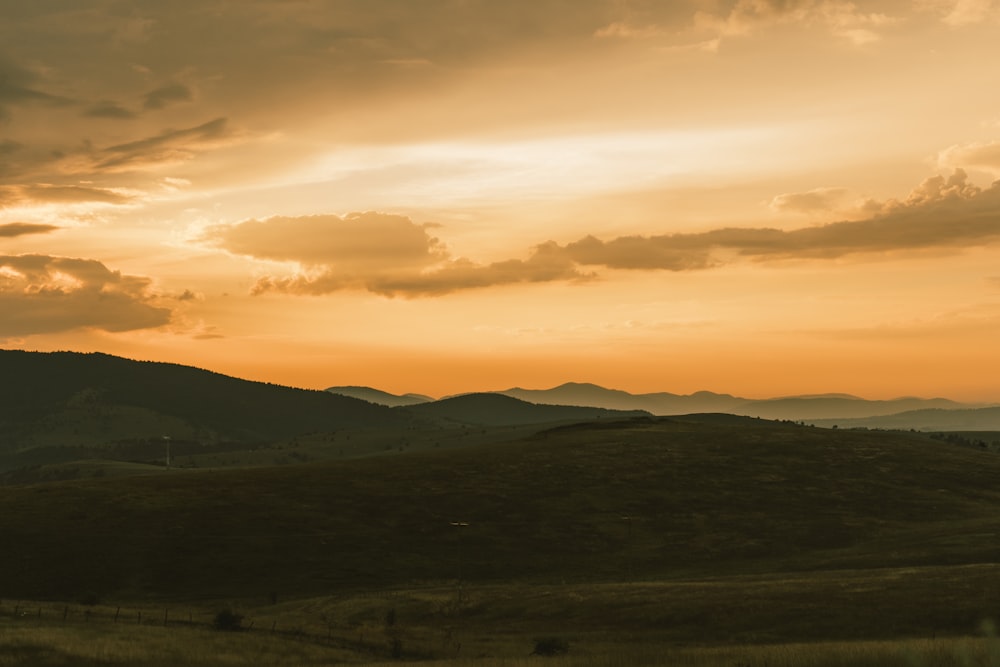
{"x": 647, "y": 499}
{"x": 67, "y": 399}
{"x": 500, "y": 410}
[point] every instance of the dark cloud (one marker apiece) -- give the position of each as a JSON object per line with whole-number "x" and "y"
{"x": 19, "y": 86}
{"x": 58, "y": 194}
{"x": 167, "y": 95}
{"x": 166, "y": 147}
{"x": 45, "y": 294}
{"x": 107, "y": 109}
{"x": 8, "y": 146}
{"x": 12, "y": 229}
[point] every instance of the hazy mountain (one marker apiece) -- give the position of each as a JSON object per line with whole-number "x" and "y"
{"x": 982, "y": 419}
{"x": 492, "y": 409}
{"x": 661, "y": 403}
{"x": 68, "y": 398}
{"x": 796, "y": 408}
{"x": 839, "y": 407}
{"x": 380, "y": 397}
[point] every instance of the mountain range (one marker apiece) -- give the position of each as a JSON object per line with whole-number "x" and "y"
{"x": 809, "y": 408}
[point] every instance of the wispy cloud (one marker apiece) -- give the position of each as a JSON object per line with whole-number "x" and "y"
{"x": 44, "y": 193}
{"x": 13, "y": 229}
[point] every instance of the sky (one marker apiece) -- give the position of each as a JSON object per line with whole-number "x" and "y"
{"x": 756, "y": 197}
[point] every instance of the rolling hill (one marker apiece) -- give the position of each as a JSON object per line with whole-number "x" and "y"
{"x": 649, "y": 499}
{"x": 67, "y": 399}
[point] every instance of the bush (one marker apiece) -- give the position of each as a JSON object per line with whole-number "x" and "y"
{"x": 549, "y": 646}
{"x": 228, "y": 620}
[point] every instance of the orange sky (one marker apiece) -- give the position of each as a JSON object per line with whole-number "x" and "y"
{"x": 754, "y": 197}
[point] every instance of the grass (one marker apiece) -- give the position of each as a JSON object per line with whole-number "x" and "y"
{"x": 741, "y": 543}
{"x": 147, "y": 646}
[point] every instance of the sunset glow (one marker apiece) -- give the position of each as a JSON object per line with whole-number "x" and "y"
{"x": 751, "y": 197}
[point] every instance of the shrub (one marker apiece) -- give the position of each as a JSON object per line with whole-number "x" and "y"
{"x": 228, "y": 620}
{"x": 549, "y": 646}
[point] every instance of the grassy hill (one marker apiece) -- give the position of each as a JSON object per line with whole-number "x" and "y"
{"x": 648, "y": 499}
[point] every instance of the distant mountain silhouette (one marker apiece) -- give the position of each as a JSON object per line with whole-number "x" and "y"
{"x": 661, "y": 403}
{"x": 380, "y": 397}
{"x": 68, "y": 398}
{"x": 490, "y": 409}
{"x": 981, "y": 419}
{"x": 796, "y": 408}
{"x": 838, "y": 407}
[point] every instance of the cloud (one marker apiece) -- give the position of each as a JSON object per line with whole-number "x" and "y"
{"x": 165, "y": 148}
{"x": 816, "y": 200}
{"x": 940, "y": 213}
{"x": 842, "y": 18}
{"x": 13, "y": 229}
{"x": 45, "y": 294}
{"x": 984, "y": 156}
{"x": 18, "y": 86}
{"x": 167, "y": 95}
{"x": 354, "y": 243}
{"x": 392, "y": 256}
{"x": 108, "y": 109}
{"x": 968, "y": 12}
{"x": 378, "y": 252}
{"x": 44, "y": 193}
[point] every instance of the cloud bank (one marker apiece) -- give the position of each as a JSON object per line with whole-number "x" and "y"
{"x": 393, "y": 256}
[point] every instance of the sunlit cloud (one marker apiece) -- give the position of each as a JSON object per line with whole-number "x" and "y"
{"x": 983, "y": 156}
{"x": 46, "y": 294}
{"x": 813, "y": 201}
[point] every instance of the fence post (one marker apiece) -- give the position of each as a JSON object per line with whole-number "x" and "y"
{"x": 165, "y": 612}
{"x": 65, "y": 612}
{"x": 138, "y": 618}
{"x": 117, "y": 611}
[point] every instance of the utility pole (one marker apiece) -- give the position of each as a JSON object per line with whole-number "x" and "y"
{"x": 166, "y": 439}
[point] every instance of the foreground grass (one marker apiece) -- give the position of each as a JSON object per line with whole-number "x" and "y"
{"x": 79, "y": 646}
